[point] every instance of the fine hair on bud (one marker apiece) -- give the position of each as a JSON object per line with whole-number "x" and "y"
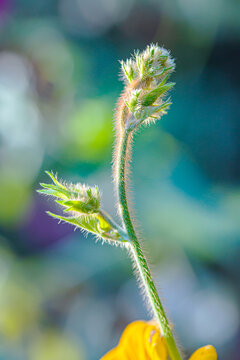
{"x": 144, "y": 98}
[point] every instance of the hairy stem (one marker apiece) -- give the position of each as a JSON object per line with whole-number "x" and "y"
{"x": 141, "y": 263}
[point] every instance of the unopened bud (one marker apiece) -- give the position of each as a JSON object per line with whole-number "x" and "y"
{"x": 82, "y": 203}
{"x": 78, "y": 198}
{"x": 146, "y": 76}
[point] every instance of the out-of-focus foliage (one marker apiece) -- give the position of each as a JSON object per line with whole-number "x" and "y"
{"x": 88, "y": 135}
{"x": 63, "y": 296}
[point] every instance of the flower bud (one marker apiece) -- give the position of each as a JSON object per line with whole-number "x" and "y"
{"x": 82, "y": 203}
{"x": 78, "y": 198}
{"x": 146, "y": 76}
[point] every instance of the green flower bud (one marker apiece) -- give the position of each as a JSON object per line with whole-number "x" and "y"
{"x": 154, "y": 62}
{"x": 82, "y": 203}
{"x": 146, "y": 76}
{"x": 76, "y": 198}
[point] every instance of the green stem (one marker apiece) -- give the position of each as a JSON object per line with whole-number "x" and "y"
{"x": 137, "y": 251}
{"x": 114, "y": 225}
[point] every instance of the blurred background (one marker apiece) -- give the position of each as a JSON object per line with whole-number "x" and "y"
{"x": 63, "y": 296}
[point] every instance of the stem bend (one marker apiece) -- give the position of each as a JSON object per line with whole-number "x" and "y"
{"x": 138, "y": 256}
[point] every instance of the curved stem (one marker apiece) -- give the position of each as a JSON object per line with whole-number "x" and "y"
{"x": 136, "y": 248}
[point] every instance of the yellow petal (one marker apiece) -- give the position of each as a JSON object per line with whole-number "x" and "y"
{"x": 154, "y": 343}
{"x": 113, "y": 354}
{"x": 140, "y": 341}
{"x": 132, "y": 341}
{"x": 207, "y": 352}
